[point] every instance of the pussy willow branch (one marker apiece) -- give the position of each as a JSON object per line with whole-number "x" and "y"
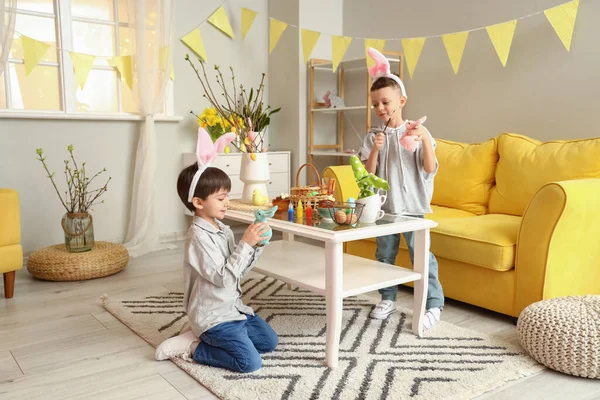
{"x": 50, "y": 175}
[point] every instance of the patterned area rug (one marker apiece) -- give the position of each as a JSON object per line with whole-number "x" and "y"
{"x": 378, "y": 359}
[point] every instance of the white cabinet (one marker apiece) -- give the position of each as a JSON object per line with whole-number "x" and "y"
{"x": 279, "y": 170}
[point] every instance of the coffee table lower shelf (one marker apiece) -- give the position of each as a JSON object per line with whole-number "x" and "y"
{"x": 303, "y": 265}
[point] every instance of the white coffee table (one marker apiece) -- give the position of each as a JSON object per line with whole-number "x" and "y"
{"x": 336, "y": 275}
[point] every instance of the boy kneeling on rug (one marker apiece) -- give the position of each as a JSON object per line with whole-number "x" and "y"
{"x": 224, "y": 332}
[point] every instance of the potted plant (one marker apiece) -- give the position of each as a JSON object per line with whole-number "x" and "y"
{"x": 370, "y": 185}
{"x": 245, "y": 113}
{"x": 77, "y": 222}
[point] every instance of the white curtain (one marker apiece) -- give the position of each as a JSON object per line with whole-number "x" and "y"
{"x": 151, "y": 28}
{"x": 7, "y": 26}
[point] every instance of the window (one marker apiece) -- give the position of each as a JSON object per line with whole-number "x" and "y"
{"x": 97, "y": 27}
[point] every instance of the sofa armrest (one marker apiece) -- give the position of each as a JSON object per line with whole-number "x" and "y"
{"x": 558, "y": 252}
{"x": 346, "y": 185}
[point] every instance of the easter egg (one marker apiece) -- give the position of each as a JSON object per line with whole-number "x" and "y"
{"x": 227, "y": 150}
{"x": 253, "y": 156}
{"x": 340, "y": 216}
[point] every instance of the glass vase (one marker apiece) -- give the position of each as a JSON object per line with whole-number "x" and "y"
{"x": 79, "y": 232}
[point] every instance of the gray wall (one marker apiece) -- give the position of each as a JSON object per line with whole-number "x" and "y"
{"x": 544, "y": 91}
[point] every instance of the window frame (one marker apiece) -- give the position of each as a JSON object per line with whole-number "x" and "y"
{"x": 66, "y": 76}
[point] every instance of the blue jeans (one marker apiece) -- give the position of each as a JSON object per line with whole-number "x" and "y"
{"x": 236, "y": 345}
{"x": 387, "y": 250}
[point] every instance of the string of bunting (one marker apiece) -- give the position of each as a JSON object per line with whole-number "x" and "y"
{"x": 561, "y": 17}
{"x": 35, "y": 50}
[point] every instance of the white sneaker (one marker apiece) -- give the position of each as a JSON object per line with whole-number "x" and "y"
{"x": 383, "y": 309}
{"x": 431, "y": 317}
{"x": 178, "y": 346}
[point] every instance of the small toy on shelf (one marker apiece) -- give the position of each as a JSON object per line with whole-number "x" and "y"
{"x": 261, "y": 216}
{"x": 330, "y": 100}
{"x": 258, "y": 199}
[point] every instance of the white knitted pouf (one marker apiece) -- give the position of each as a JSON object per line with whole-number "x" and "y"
{"x": 563, "y": 334}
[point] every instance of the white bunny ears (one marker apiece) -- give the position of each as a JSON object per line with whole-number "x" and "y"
{"x": 206, "y": 152}
{"x": 382, "y": 69}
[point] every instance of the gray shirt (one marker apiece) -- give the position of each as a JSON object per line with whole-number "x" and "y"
{"x": 212, "y": 268}
{"x": 411, "y": 187}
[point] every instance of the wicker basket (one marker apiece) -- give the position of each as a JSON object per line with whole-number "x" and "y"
{"x": 302, "y": 193}
{"x": 55, "y": 263}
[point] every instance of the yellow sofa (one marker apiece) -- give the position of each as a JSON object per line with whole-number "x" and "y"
{"x": 518, "y": 220}
{"x": 11, "y": 253}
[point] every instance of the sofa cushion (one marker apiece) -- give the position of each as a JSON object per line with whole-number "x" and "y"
{"x": 526, "y": 165}
{"x": 440, "y": 212}
{"x": 465, "y": 175}
{"x": 487, "y": 241}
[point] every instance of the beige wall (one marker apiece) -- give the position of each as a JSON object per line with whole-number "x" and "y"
{"x": 112, "y": 144}
{"x": 544, "y": 91}
{"x": 288, "y": 82}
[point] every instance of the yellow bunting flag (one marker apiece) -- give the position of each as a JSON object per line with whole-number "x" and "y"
{"x": 219, "y": 20}
{"x": 501, "y": 36}
{"x": 82, "y": 64}
{"x": 247, "y": 20}
{"x": 123, "y": 65}
{"x": 34, "y": 51}
{"x": 193, "y": 40}
{"x": 455, "y": 47}
{"x": 377, "y": 44}
{"x": 276, "y": 29}
{"x": 309, "y": 40}
{"x": 412, "y": 51}
{"x": 562, "y": 18}
{"x": 339, "y": 45}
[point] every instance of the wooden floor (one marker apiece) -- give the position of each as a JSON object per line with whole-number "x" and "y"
{"x": 58, "y": 342}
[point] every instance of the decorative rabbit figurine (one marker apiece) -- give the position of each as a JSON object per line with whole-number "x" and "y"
{"x": 326, "y": 100}
{"x": 336, "y": 101}
{"x": 407, "y": 141}
{"x": 261, "y": 216}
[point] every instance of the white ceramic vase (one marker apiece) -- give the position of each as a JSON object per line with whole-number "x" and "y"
{"x": 255, "y": 175}
{"x": 372, "y": 211}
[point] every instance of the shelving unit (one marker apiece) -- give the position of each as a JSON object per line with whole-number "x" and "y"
{"x": 337, "y": 149}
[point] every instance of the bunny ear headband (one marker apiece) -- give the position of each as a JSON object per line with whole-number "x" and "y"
{"x": 206, "y": 152}
{"x": 382, "y": 69}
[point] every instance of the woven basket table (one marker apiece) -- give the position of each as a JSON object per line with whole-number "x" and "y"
{"x": 55, "y": 263}
{"x": 563, "y": 334}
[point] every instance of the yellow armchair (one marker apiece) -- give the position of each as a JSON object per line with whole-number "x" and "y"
{"x": 11, "y": 253}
